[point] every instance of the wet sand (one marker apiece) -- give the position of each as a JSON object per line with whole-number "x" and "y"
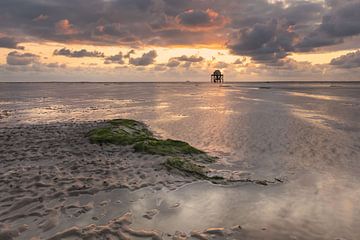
{"x": 54, "y": 184}
{"x": 41, "y": 164}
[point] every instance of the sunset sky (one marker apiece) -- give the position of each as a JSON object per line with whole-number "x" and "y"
{"x": 179, "y": 40}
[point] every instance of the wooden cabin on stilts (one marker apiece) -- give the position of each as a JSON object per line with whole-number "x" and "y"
{"x": 217, "y": 77}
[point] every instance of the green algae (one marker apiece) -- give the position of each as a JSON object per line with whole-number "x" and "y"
{"x": 165, "y": 147}
{"x": 186, "y": 165}
{"x": 130, "y": 132}
{"x": 120, "y": 132}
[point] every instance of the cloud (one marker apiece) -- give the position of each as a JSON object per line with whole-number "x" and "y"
{"x": 350, "y": 60}
{"x": 186, "y": 60}
{"x": 129, "y": 53}
{"x": 146, "y": 22}
{"x": 41, "y": 17}
{"x": 160, "y": 67}
{"x": 173, "y": 63}
{"x": 21, "y": 59}
{"x": 8, "y": 42}
{"x": 118, "y": 58}
{"x": 221, "y": 65}
{"x": 192, "y": 58}
{"x": 77, "y": 54}
{"x": 145, "y": 60}
{"x": 64, "y": 27}
{"x": 316, "y": 39}
{"x": 265, "y": 42}
{"x": 266, "y": 31}
{"x": 341, "y": 21}
{"x": 56, "y": 65}
{"x": 195, "y": 19}
{"x": 239, "y": 61}
{"x": 127, "y": 22}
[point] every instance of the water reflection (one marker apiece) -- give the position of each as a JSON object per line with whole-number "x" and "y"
{"x": 317, "y": 96}
{"x": 273, "y": 212}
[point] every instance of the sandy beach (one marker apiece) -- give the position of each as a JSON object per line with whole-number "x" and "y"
{"x": 298, "y": 166}
{"x": 43, "y": 166}
{"x": 46, "y": 163}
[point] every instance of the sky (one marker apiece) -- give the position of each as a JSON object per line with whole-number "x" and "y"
{"x": 179, "y": 40}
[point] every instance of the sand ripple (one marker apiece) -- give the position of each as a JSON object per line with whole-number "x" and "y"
{"x": 43, "y": 165}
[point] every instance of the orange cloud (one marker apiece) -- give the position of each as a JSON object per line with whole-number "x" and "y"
{"x": 64, "y": 27}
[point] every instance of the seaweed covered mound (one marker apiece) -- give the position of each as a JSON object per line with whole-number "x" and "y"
{"x": 121, "y": 132}
{"x": 131, "y": 132}
{"x": 182, "y": 156}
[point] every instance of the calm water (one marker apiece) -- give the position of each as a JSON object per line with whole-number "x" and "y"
{"x": 308, "y": 134}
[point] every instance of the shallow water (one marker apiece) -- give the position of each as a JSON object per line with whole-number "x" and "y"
{"x": 307, "y": 134}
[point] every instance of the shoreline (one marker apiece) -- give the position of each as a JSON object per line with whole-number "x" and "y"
{"x": 46, "y": 163}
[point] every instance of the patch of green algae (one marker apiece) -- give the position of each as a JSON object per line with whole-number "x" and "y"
{"x": 165, "y": 147}
{"x": 185, "y": 165}
{"x": 121, "y": 132}
{"x": 130, "y": 132}
{"x": 188, "y": 166}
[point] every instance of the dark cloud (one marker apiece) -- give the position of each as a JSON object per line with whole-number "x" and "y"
{"x": 298, "y": 26}
{"x": 350, "y": 60}
{"x": 201, "y": 18}
{"x": 316, "y": 39}
{"x": 129, "y": 53}
{"x": 41, "y": 17}
{"x": 21, "y": 59}
{"x": 8, "y": 42}
{"x": 265, "y": 42}
{"x": 145, "y": 60}
{"x": 125, "y": 22}
{"x": 77, "y": 54}
{"x": 118, "y": 58}
{"x": 266, "y": 31}
{"x": 341, "y": 21}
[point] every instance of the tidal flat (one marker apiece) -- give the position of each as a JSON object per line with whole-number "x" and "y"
{"x": 237, "y": 161}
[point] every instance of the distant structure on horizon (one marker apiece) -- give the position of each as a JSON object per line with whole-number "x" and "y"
{"x": 217, "y": 77}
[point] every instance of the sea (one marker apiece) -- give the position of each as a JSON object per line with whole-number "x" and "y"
{"x": 307, "y": 134}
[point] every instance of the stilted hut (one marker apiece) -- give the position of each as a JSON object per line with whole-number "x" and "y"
{"x": 217, "y": 77}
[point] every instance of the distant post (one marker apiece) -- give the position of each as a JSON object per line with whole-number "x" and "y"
{"x": 217, "y": 77}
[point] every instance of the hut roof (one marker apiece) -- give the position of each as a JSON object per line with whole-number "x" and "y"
{"x": 217, "y": 73}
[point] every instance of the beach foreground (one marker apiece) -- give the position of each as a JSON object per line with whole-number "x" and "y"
{"x": 296, "y": 149}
